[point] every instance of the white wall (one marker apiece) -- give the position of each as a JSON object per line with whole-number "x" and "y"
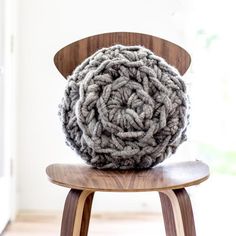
{"x": 43, "y": 28}
{"x": 7, "y": 111}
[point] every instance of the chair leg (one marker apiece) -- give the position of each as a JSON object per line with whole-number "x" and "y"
{"x": 177, "y": 213}
{"x": 76, "y": 214}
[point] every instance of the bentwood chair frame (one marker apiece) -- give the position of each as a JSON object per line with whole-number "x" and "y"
{"x": 170, "y": 180}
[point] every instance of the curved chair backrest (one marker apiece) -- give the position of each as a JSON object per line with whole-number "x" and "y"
{"x": 67, "y": 59}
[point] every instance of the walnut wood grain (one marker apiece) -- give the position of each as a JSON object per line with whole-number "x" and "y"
{"x": 177, "y": 213}
{"x": 164, "y": 176}
{"x": 73, "y": 54}
{"x": 76, "y": 214}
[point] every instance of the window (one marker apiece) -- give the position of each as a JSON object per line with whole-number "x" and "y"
{"x": 213, "y": 85}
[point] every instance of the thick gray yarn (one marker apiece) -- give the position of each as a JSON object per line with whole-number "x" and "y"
{"x": 124, "y": 108}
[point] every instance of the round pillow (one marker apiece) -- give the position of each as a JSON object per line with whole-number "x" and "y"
{"x": 124, "y": 108}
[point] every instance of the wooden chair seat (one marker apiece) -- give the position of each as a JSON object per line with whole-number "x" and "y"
{"x": 161, "y": 177}
{"x": 169, "y": 180}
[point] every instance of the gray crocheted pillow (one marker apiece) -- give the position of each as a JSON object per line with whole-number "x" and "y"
{"x": 124, "y": 108}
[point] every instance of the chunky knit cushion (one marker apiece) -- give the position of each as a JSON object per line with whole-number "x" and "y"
{"x": 124, "y": 108}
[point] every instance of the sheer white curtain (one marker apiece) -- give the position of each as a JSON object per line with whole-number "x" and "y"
{"x": 211, "y": 39}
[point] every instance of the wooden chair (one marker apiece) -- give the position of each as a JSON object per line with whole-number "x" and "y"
{"x": 170, "y": 180}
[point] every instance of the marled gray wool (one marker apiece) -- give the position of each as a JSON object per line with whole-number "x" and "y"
{"x": 124, "y": 108}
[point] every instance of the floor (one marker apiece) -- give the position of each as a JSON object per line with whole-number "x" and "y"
{"x": 45, "y": 224}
